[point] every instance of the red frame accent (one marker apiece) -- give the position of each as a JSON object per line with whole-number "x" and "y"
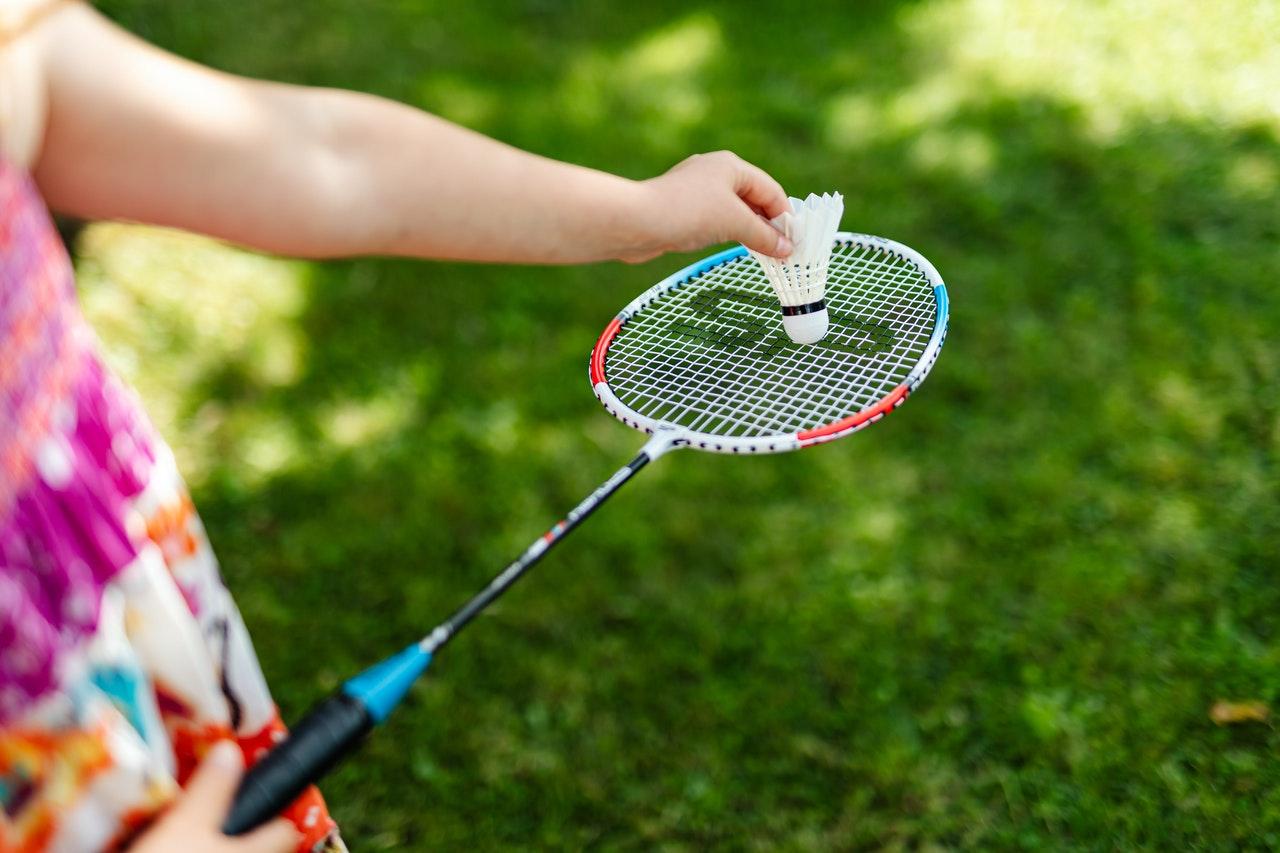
{"x": 602, "y": 346}
{"x": 896, "y": 396}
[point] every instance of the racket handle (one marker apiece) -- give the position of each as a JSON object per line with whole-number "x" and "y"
{"x": 320, "y": 740}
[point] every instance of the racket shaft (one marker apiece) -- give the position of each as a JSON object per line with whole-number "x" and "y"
{"x": 337, "y": 726}
{"x": 533, "y": 554}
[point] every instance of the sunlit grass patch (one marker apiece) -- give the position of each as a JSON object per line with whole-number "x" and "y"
{"x": 173, "y": 308}
{"x": 1121, "y": 61}
{"x": 656, "y": 85}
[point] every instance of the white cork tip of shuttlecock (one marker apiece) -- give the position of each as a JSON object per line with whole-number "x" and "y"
{"x": 800, "y": 279}
{"x": 806, "y": 328}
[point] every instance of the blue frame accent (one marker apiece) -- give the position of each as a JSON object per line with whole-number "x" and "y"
{"x": 705, "y": 264}
{"x": 944, "y": 313}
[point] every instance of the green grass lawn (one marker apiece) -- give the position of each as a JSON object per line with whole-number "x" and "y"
{"x": 997, "y": 620}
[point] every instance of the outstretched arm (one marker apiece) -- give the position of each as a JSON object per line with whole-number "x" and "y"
{"x": 135, "y": 133}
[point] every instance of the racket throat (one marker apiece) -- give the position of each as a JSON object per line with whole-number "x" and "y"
{"x": 664, "y": 438}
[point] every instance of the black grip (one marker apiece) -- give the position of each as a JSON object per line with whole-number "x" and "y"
{"x": 319, "y": 740}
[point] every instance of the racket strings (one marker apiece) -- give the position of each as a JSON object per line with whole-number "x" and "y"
{"x": 711, "y": 355}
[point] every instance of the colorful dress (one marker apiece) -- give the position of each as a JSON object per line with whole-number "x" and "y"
{"x": 122, "y": 655}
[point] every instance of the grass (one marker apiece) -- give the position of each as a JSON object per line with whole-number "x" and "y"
{"x": 998, "y": 620}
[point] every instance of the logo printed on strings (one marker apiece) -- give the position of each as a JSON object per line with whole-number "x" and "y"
{"x": 866, "y": 337}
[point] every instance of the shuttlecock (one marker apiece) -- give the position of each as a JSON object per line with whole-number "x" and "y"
{"x": 801, "y": 279}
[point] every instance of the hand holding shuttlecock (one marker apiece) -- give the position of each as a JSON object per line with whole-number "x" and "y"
{"x": 800, "y": 280}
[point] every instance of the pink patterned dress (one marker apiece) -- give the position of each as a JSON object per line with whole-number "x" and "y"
{"x": 122, "y": 655}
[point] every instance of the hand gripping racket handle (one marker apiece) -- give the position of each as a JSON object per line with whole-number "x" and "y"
{"x": 319, "y": 740}
{"x": 322, "y": 738}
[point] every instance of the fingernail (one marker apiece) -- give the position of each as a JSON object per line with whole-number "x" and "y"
{"x": 225, "y": 755}
{"x": 784, "y": 247}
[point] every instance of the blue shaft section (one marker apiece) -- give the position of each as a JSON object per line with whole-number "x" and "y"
{"x": 381, "y": 687}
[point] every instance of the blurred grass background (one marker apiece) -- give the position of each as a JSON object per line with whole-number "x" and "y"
{"x": 998, "y": 620}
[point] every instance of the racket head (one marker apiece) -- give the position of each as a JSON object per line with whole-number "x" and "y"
{"x": 702, "y": 354}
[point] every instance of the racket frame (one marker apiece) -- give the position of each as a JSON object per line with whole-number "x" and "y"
{"x": 680, "y": 436}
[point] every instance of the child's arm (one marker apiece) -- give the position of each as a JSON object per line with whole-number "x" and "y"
{"x": 135, "y": 133}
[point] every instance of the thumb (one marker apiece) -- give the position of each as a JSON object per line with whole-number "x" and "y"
{"x": 758, "y": 234}
{"x": 208, "y": 795}
{"x": 278, "y": 836}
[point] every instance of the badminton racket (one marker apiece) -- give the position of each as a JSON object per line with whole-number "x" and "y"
{"x": 699, "y": 360}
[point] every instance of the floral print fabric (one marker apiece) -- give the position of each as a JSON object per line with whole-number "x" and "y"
{"x": 122, "y": 656}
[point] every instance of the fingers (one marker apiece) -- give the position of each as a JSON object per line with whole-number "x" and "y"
{"x": 195, "y": 821}
{"x": 765, "y": 199}
{"x": 279, "y": 836}
{"x": 208, "y": 795}
{"x": 754, "y": 186}
{"x": 742, "y": 216}
{"x": 757, "y": 233}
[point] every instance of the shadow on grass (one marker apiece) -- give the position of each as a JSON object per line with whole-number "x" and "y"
{"x": 996, "y": 620}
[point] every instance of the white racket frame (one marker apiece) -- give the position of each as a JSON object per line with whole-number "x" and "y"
{"x": 668, "y": 435}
